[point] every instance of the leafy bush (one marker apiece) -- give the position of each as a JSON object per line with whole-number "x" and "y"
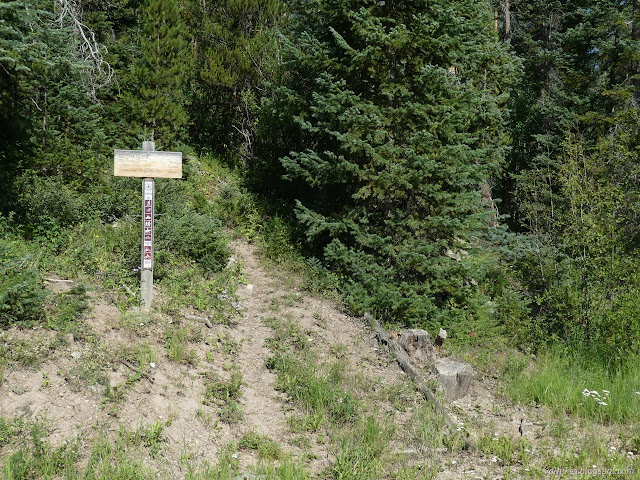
{"x": 195, "y": 236}
{"x": 48, "y": 203}
{"x": 21, "y": 294}
{"x": 111, "y": 251}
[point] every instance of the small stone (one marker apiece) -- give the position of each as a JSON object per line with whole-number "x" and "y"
{"x": 76, "y": 354}
{"x": 68, "y": 338}
{"x": 19, "y": 390}
{"x": 249, "y": 286}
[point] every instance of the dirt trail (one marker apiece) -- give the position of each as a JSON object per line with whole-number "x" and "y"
{"x": 260, "y": 402}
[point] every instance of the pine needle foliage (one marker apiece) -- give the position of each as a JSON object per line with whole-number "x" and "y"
{"x": 389, "y": 117}
{"x": 162, "y": 72}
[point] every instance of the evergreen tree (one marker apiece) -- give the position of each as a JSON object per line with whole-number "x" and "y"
{"x": 389, "y": 119}
{"x": 157, "y": 100}
{"x": 48, "y": 121}
{"x": 571, "y": 181}
{"x": 236, "y": 53}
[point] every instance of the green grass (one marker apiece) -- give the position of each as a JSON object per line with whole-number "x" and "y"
{"x": 177, "y": 340}
{"x": 558, "y": 379}
{"x": 150, "y": 436}
{"x": 509, "y": 451}
{"x": 267, "y": 448}
{"x": 358, "y": 434}
{"x": 360, "y": 452}
{"x": 317, "y": 391}
{"x": 224, "y": 393}
{"x": 227, "y": 344}
{"x": 28, "y": 352}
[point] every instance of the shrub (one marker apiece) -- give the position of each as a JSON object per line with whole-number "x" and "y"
{"x": 109, "y": 251}
{"x": 21, "y": 294}
{"x": 48, "y": 203}
{"x": 194, "y": 236}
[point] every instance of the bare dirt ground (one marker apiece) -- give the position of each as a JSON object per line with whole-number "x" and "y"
{"x": 171, "y": 392}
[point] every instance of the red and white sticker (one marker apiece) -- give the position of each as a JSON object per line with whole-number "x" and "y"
{"x": 147, "y": 238}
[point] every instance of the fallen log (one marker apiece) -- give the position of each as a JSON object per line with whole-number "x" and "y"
{"x": 409, "y": 370}
{"x": 59, "y": 280}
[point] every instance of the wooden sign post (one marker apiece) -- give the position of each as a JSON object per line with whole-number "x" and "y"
{"x": 149, "y": 164}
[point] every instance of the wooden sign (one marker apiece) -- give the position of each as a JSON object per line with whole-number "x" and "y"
{"x": 140, "y": 163}
{"x": 149, "y": 164}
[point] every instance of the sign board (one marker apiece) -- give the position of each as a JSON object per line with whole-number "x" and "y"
{"x": 148, "y": 164}
{"x": 140, "y": 163}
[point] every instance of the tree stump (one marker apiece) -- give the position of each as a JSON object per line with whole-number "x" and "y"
{"x": 454, "y": 376}
{"x": 418, "y": 346}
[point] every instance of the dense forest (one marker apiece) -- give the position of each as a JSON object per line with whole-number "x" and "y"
{"x": 472, "y": 165}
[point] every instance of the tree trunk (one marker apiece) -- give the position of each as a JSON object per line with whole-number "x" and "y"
{"x": 488, "y": 199}
{"x": 507, "y": 19}
{"x": 635, "y": 64}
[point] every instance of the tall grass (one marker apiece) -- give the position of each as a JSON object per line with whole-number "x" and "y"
{"x": 578, "y": 384}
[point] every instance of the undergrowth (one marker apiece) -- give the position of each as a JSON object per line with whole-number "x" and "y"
{"x": 575, "y": 384}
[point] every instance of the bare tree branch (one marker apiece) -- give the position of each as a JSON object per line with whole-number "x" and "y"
{"x": 101, "y": 73}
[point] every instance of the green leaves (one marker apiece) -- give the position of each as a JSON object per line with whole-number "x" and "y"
{"x": 21, "y": 294}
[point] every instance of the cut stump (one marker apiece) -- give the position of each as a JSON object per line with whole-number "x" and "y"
{"x": 454, "y": 376}
{"x": 418, "y": 346}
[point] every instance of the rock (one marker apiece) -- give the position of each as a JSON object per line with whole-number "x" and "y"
{"x": 69, "y": 339}
{"x": 454, "y": 376}
{"x": 19, "y": 390}
{"x": 418, "y": 346}
{"x": 76, "y": 355}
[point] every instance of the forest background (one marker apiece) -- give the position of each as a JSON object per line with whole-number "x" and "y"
{"x": 464, "y": 165}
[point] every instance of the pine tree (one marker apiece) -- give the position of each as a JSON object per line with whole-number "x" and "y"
{"x": 236, "y": 53}
{"x": 571, "y": 166}
{"x": 161, "y": 74}
{"x": 389, "y": 119}
{"x": 48, "y": 121}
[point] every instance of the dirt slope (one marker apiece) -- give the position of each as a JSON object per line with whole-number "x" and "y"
{"x": 67, "y": 390}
